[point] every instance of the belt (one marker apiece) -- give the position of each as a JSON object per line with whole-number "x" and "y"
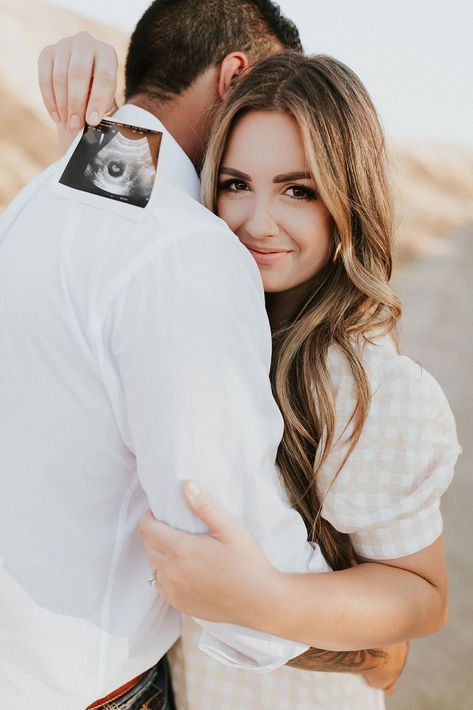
{"x": 116, "y": 693}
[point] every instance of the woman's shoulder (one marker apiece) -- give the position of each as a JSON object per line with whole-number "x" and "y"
{"x": 390, "y": 374}
{"x": 387, "y": 490}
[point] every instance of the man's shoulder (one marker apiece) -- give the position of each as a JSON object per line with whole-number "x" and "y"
{"x": 181, "y": 214}
{"x": 108, "y": 242}
{"x": 95, "y": 219}
{"x": 170, "y": 210}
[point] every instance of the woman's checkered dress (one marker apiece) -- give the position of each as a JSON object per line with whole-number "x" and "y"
{"x": 386, "y": 497}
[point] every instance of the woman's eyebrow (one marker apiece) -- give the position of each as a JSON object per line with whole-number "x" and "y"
{"x": 287, "y": 177}
{"x": 235, "y": 173}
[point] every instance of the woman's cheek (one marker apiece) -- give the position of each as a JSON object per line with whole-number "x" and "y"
{"x": 221, "y": 206}
{"x": 233, "y": 210}
{"x": 226, "y": 208}
{"x": 314, "y": 237}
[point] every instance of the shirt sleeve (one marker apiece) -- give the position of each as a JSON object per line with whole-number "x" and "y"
{"x": 387, "y": 494}
{"x": 189, "y": 347}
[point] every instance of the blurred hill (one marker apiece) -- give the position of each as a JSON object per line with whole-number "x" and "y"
{"x": 433, "y": 183}
{"x": 27, "y": 135}
{"x": 433, "y": 190}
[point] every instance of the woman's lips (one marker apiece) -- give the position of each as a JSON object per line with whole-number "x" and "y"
{"x": 266, "y": 258}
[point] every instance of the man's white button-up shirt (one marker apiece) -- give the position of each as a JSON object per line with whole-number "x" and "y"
{"x": 134, "y": 354}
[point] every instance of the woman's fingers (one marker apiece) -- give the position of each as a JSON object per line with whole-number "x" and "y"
{"x": 45, "y": 79}
{"x": 220, "y": 522}
{"x": 155, "y": 558}
{"x": 104, "y": 83}
{"x": 162, "y": 538}
{"x": 60, "y": 68}
{"x": 53, "y": 65}
{"x": 79, "y": 77}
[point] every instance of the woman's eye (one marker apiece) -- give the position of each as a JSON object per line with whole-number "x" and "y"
{"x": 300, "y": 192}
{"x": 233, "y": 186}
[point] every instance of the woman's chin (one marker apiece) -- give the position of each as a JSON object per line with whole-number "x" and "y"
{"x": 272, "y": 289}
{"x": 273, "y": 285}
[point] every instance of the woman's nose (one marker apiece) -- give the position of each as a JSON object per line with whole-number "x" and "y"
{"x": 261, "y": 223}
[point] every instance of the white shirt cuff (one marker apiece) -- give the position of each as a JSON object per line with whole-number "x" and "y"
{"x": 251, "y": 650}
{"x": 239, "y": 647}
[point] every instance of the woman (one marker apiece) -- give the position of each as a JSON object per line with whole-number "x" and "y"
{"x": 296, "y": 168}
{"x": 369, "y": 443}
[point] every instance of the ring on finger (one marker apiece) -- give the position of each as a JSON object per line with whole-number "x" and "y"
{"x": 151, "y": 581}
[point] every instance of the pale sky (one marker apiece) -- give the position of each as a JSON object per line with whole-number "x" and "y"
{"x": 415, "y": 56}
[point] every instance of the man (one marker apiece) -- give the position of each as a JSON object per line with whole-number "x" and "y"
{"x": 135, "y": 354}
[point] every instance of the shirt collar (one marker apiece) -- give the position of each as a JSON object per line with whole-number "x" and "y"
{"x": 173, "y": 162}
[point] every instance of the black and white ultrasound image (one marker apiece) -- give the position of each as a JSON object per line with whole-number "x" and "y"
{"x": 116, "y": 161}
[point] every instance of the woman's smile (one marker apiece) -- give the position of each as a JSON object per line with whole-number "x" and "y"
{"x": 267, "y": 257}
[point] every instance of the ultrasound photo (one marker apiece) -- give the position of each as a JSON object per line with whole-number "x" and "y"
{"x": 115, "y": 160}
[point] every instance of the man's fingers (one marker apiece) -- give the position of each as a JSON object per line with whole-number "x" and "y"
{"x": 218, "y": 520}
{"x": 104, "y": 84}
{"x": 45, "y": 79}
{"x": 79, "y": 80}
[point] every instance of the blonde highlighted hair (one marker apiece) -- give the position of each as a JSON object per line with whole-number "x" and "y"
{"x": 345, "y": 154}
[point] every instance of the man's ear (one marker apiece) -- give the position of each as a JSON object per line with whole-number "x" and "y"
{"x": 232, "y": 65}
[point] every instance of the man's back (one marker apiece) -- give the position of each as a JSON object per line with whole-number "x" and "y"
{"x": 134, "y": 354}
{"x": 71, "y": 500}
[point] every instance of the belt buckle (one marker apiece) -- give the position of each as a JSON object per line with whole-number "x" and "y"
{"x": 156, "y": 702}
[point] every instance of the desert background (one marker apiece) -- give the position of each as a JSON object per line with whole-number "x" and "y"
{"x": 433, "y": 185}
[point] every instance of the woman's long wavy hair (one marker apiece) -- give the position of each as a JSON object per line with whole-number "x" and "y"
{"x": 345, "y": 154}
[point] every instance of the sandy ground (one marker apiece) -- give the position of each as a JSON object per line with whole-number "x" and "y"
{"x": 437, "y": 331}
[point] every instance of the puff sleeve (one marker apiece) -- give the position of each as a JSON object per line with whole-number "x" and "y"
{"x": 387, "y": 494}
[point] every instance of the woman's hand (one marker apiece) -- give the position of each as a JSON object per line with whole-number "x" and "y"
{"x": 225, "y": 576}
{"x": 78, "y": 80}
{"x": 203, "y": 575}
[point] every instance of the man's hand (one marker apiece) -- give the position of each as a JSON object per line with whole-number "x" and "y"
{"x": 380, "y": 667}
{"x": 78, "y": 80}
{"x": 387, "y": 672}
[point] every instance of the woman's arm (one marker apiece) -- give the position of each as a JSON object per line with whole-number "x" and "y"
{"x": 224, "y": 576}
{"x": 180, "y": 577}
{"x": 78, "y": 80}
{"x": 374, "y": 604}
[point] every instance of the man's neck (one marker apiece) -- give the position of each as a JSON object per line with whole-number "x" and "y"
{"x": 168, "y": 113}
{"x": 187, "y": 116}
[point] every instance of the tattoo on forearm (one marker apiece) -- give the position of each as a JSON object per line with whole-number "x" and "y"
{"x": 340, "y": 661}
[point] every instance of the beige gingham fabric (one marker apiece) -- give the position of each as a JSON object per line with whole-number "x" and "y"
{"x": 386, "y": 497}
{"x": 200, "y": 683}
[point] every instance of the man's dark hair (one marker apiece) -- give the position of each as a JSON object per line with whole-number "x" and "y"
{"x": 176, "y": 40}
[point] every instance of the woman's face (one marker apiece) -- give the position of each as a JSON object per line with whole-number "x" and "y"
{"x": 270, "y": 202}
